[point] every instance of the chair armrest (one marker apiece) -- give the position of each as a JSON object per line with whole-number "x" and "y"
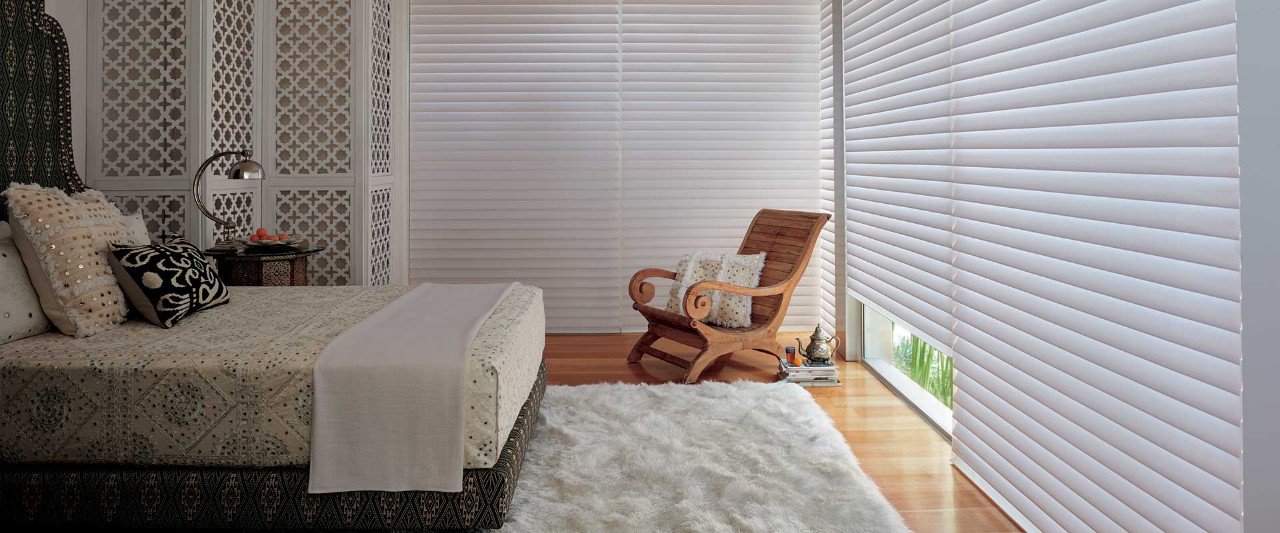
{"x": 697, "y": 305}
{"x": 640, "y": 290}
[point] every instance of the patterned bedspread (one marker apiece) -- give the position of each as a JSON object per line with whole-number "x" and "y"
{"x": 232, "y": 386}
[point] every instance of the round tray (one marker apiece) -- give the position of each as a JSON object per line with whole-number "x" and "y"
{"x": 293, "y": 243}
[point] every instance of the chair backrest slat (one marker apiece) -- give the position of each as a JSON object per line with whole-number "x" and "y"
{"x": 787, "y": 238}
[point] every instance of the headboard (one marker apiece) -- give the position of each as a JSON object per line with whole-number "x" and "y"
{"x": 35, "y": 100}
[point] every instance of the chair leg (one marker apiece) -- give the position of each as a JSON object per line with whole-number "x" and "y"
{"x": 701, "y": 361}
{"x": 645, "y": 341}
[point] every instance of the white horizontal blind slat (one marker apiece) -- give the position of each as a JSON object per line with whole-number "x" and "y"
{"x": 515, "y": 158}
{"x": 1096, "y": 256}
{"x": 721, "y": 117}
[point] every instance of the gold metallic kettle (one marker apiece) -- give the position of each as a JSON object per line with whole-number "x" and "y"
{"x": 821, "y": 347}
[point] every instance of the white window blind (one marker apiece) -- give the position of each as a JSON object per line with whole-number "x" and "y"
{"x": 720, "y": 118}
{"x": 1097, "y": 260}
{"x": 569, "y": 144}
{"x": 515, "y": 157}
{"x": 1049, "y": 189}
{"x": 832, "y": 117}
{"x": 897, "y": 157}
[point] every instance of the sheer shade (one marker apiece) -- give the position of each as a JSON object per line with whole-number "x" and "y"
{"x": 569, "y": 144}
{"x": 720, "y": 119}
{"x": 897, "y": 161}
{"x": 515, "y": 155}
{"x": 1049, "y": 190}
{"x": 832, "y": 121}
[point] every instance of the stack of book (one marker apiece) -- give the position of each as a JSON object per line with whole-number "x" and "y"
{"x": 809, "y": 375}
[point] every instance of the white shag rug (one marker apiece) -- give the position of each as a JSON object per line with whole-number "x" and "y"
{"x": 710, "y": 457}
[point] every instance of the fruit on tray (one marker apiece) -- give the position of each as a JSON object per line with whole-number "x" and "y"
{"x": 261, "y": 236}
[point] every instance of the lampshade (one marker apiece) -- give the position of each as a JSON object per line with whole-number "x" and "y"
{"x": 246, "y": 169}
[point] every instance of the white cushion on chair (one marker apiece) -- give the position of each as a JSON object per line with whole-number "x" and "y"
{"x": 727, "y": 310}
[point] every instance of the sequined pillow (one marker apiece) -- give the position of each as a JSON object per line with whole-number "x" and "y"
{"x": 693, "y": 267}
{"x": 728, "y": 310}
{"x": 166, "y": 283}
{"x": 64, "y": 241}
{"x": 734, "y": 310}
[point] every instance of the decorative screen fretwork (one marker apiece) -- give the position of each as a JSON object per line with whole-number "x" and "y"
{"x": 165, "y": 214}
{"x": 144, "y": 88}
{"x": 237, "y": 207}
{"x": 313, "y": 87}
{"x": 380, "y": 236}
{"x": 380, "y": 89}
{"x": 324, "y": 217}
{"x": 231, "y": 96}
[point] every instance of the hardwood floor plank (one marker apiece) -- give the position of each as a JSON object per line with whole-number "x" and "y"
{"x": 906, "y": 458}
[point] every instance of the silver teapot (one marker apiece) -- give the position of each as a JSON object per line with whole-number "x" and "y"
{"x": 821, "y": 347}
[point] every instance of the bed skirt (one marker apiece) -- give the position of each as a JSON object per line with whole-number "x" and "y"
{"x": 127, "y": 496}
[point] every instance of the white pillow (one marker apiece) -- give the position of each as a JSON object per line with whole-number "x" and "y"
{"x": 727, "y": 309}
{"x": 135, "y": 230}
{"x": 20, "y": 313}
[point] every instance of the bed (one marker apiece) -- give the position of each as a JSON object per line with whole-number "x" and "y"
{"x": 207, "y": 424}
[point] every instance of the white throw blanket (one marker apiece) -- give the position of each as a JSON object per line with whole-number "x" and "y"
{"x": 390, "y": 393}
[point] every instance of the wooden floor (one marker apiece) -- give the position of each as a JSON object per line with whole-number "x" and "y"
{"x": 906, "y": 458}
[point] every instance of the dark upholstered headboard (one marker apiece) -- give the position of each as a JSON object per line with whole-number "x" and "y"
{"x": 35, "y": 100}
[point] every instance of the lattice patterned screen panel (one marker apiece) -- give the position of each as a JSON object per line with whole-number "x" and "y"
{"x": 380, "y": 236}
{"x": 144, "y": 88}
{"x": 324, "y": 217}
{"x": 231, "y": 97}
{"x": 380, "y": 89}
{"x": 313, "y": 87}
{"x": 165, "y": 214}
{"x": 237, "y": 207}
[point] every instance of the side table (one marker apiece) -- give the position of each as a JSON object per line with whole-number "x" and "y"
{"x": 246, "y": 267}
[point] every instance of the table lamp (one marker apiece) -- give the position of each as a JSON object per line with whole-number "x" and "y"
{"x": 244, "y": 169}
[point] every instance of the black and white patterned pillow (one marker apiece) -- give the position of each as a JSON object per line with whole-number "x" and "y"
{"x": 167, "y": 282}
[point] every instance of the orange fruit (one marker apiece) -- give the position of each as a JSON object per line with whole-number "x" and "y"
{"x": 283, "y": 236}
{"x": 261, "y": 232}
{"x": 255, "y": 238}
{"x": 269, "y": 238}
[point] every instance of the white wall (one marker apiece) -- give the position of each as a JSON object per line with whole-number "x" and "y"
{"x": 74, "y": 17}
{"x": 1259, "y": 72}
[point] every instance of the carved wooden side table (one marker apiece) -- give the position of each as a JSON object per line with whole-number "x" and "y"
{"x": 263, "y": 269}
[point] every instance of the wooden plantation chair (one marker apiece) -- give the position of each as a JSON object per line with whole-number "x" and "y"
{"x": 787, "y": 238}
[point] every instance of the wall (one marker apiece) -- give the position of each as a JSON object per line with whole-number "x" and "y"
{"x": 1259, "y": 74}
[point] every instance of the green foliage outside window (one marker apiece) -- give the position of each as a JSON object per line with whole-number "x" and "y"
{"x": 924, "y": 364}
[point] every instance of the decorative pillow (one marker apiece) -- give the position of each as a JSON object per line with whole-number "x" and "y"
{"x": 167, "y": 282}
{"x": 693, "y": 267}
{"x": 727, "y": 310}
{"x": 734, "y": 310}
{"x": 135, "y": 229}
{"x": 20, "y": 313}
{"x": 64, "y": 241}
